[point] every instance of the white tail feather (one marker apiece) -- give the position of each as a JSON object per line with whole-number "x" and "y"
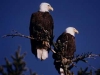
{"x": 61, "y": 71}
{"x": 39, "y": 53}
{"x": 62, "y": 74}
{"x": 44, "y": 54}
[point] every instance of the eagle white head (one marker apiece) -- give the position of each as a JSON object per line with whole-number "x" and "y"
{"x": 45, "y": 7}
{"x": 71, "y": 30}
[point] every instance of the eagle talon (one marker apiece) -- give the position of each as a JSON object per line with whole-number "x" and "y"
{"x": 46, "y": 44}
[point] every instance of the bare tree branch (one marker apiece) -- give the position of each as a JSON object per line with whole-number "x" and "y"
{"x": 83, "y": 56}
{"x": 53, "y": 50}
{"x": 15, "y": 33}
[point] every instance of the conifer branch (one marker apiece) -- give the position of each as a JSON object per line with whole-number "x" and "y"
{"x": 17, "y": 67}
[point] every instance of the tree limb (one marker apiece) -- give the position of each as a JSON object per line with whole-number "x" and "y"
{"x": 15, "y": 33}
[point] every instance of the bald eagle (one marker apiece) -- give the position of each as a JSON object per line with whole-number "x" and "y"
{"x": 41, "y": 29}
{"x": 66, "y": 48}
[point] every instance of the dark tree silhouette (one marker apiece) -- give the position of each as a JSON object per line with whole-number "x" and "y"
{"x": 17, "y": 67}
{"x": 19, "y": 64}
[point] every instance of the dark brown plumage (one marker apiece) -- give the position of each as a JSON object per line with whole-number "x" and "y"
{"x": 69, "y": 41}
{"x": 41, "y": 28}
{"x": 65, "y": 47}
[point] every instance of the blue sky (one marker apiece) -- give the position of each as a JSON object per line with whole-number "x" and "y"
{"x": 82, "y": 14}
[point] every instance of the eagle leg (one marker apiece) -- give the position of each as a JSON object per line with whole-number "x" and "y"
{"x": 45, "y": 43}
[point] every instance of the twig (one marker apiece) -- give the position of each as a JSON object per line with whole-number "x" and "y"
{"x": 91, "y": 66}
{"x": 83, "y": 56}
{"x": 17, "y": 34}
{"x": 53, "y": 51}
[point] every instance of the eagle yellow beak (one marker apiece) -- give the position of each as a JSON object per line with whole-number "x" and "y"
{"x": 76, "y": 31}
{"x": 51, "y": 8}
